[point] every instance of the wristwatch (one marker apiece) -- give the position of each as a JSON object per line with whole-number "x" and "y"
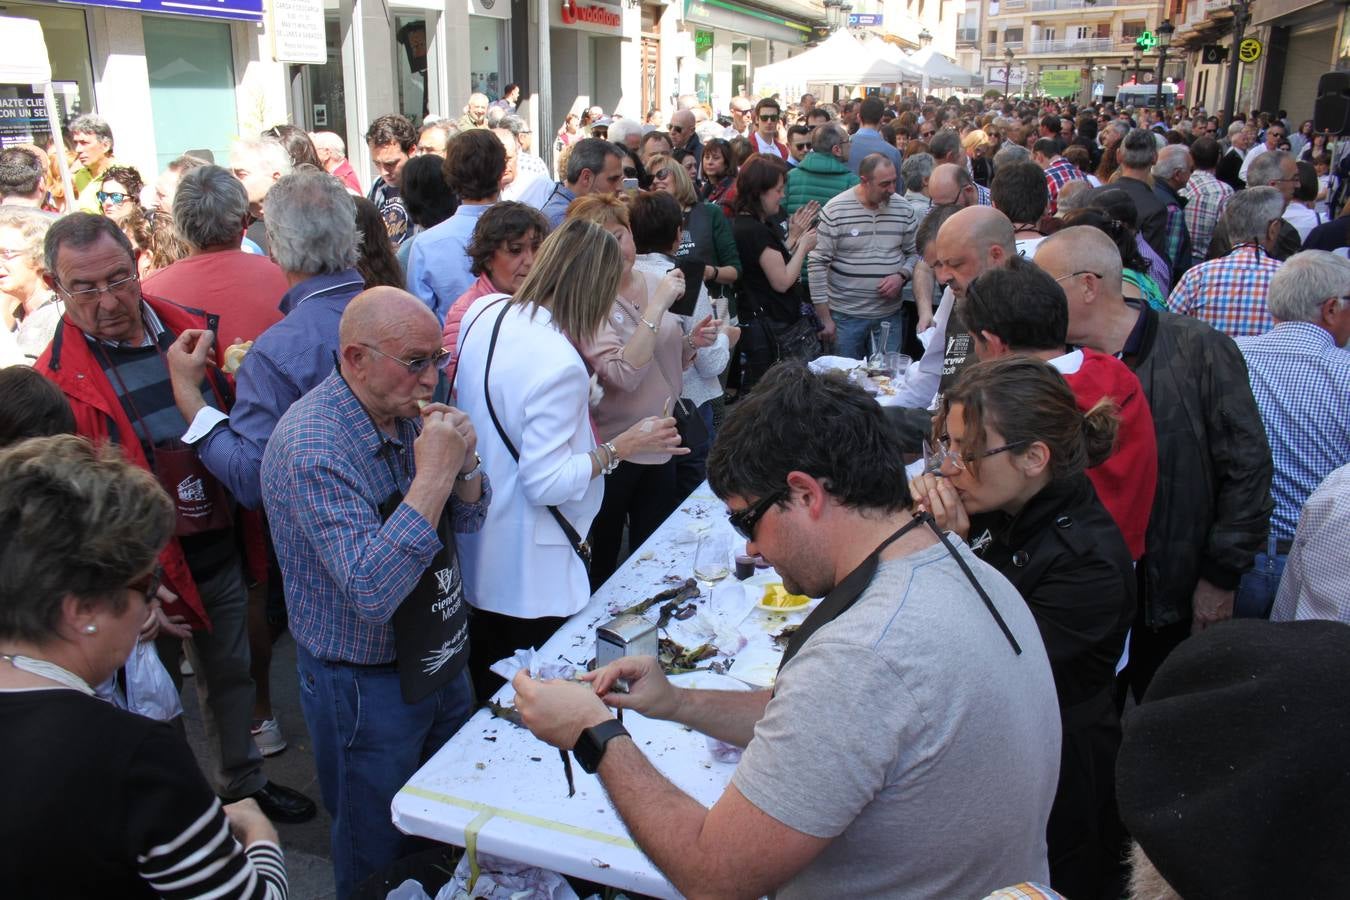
{"x": 590, "y": 748}
{"x": 475, "y": 472}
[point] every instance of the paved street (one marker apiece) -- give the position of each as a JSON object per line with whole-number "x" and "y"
{"x": 306, "y": 845}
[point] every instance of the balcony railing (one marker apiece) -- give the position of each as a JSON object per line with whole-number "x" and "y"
{"x": 1055, "y": 5}
{"x": 1073, "y": 45}
{"x": 967, "y": 35}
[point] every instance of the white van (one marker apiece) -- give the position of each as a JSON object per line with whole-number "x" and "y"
{"x": 1146, "y": 95}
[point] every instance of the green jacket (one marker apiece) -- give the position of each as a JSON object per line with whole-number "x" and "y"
{"x": 818, "y": 177}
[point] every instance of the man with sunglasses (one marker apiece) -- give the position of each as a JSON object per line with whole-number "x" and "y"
{"x": 109, "y": 359}
{"x": 901, "y": 706}
{"x": 799, "y": 144}
{"x": 765, "y": 140}
{"x": 365, "y": 489}
{"x": 682, "y": 133}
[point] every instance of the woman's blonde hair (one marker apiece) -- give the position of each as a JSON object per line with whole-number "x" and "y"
{"x": 32, "y": 225}
{"x": 684, "y": 188}
{"x": 575, "y": 276}
{"x": 600, "y": 209}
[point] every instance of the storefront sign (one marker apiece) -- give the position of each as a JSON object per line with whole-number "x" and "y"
{"x": 1249, "y": 51}
{"x": 857, "y": 20}
{"x": 573, "y": 13}
{"x": 23, "y": 112}
{"x": 494, "y": 9}
{"x": 1061, "y": 82}
{"x": 747, "y": 21}
{"x": 703, "y": 41}
{"x": 298, "y": 32}
{"x": 244, "y": 10}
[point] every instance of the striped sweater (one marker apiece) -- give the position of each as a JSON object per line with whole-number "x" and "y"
{"x": 856, "y": 248}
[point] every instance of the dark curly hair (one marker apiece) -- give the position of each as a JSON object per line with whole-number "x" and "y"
{"x": 503, "y": 222}
{"x": 129, "y": 178}
{"x": 392, "y": 129}
{"x": 797, "y": 421}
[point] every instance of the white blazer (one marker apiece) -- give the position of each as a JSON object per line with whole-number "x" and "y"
{"x": 521, "y": 563}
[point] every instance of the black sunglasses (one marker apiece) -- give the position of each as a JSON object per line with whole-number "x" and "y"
{"x": 746, "y": 520}
{"x": 768, "y": 117}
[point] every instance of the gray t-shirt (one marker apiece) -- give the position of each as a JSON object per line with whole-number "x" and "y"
{"x": 909, "y": 731}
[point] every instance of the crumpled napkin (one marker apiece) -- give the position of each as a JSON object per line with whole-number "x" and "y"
{"x": 528, "y": 659}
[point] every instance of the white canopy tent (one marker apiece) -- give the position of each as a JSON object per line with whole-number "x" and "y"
{"x": 839, "y": 59}
{"x": 936, "y": 67}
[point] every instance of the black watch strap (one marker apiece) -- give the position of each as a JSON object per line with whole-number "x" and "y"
{"x": 590, "y": 748}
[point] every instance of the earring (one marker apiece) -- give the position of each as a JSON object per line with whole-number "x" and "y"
{"x": 91, "y": 628}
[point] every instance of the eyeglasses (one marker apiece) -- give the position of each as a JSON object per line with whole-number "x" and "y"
{"x": 804, "y": 146}
{"x": 1076, "y": 274}
{"x": 112, "y": 197}
{"x": 91, "y": 295}
{"x": 677, "y": 129}
{"x": 935, "y": 459}
{"x": 745, "y": 521}
{"x": 768, "y": 117}
{"x": 661, "y": 176}
{"x": 440, "y": 359}
{"x": 149, "y": 585}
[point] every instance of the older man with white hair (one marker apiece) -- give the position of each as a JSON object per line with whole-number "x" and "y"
{"x": 1230, "y": 292}
{"x": 475, "y": 113}
{"x": 1300, "y": 375}
{"x": 258, "y": 163}
{"x": 333, "y": 156}
{"x": 627, "y": 133}
{"x": 1170, "y": 174}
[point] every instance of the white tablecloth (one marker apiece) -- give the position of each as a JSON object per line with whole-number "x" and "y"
{"x": 497, "y": 781}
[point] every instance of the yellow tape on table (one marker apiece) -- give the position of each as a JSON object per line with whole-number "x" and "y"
{"x": 471, "y": 844}
{"x": 486, "y": 811}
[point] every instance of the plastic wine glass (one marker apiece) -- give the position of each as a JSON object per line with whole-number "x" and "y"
{"x": 712, "y": 559}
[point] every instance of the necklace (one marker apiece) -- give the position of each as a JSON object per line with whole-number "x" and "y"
{"x": 44, "y": 669}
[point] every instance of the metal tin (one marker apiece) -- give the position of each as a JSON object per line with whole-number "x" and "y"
{"x": 624, "y": 636}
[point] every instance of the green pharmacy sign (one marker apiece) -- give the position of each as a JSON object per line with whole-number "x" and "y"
{"x": 1146, "y": 41}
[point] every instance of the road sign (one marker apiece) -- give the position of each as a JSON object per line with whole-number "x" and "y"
{"x": 1249, "y": 51}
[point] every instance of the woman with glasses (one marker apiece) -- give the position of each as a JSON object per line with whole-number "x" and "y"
{"x": 29, "y": 310}
{"x": 99, "y": 801}
{"x": 521, "y": 571}
{"x": 121, "y": 190}
{"x": 706, "y": 234}
{"x": 1012, "y": 447}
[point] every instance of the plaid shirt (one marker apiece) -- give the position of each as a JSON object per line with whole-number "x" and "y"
{"x": 1059, "y": 173}
{"x": 1313, "y": 584}
{"x": 1301, "y": 381}
{"x": 325, "y": 473}
{"x": 1177, "y": 240}
{"x": 1229, "y": 292}
{"x": 1206, "y": 196}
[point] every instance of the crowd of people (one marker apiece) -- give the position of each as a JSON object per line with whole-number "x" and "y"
{"x": 425, "y": 416}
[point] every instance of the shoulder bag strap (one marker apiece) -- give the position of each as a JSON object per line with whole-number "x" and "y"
{"x": 579, "y": 544}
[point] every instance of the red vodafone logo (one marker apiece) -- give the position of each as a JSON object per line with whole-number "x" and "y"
{"x": 595, "y": 15}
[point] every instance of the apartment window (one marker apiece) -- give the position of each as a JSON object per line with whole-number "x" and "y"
{"x": 993, "y": 38}
{"x": 1081, "y": 32}
{"x": 1132, "y": 30}
{"x": 1012, "y": 36}
{"x": 1048, "y": 34}
{"x": 1104, "y": 30}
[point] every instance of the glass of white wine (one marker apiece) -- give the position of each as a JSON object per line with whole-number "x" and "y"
{"x": 712, "y": 560}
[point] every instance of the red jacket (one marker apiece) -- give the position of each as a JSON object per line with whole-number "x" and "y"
{"x": 1125, "y": 482}
{"x": 99, "y": 417}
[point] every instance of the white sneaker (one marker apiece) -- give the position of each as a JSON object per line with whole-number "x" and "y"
{"x": 267, "y": 735}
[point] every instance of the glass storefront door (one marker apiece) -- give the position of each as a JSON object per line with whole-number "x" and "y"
{"x": 487, "y": 62}
{"x": 191, "y": 86}
{"x": 68, "y": 50}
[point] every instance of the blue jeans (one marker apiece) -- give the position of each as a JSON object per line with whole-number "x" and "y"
{"x": 1256, "y": 592}
{"x": 367, "y": 744}
{"x": 852, "y": 334}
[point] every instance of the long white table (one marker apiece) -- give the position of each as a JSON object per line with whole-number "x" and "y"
{"x": 495, "y": 789}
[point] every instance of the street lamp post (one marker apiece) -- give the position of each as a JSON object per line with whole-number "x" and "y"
{"x": 832, "y": 13}
{"x": 1008, "y": 57}
{"x": 1164, "y": 41}
{"x": 1241, "y": 13}
{"x": 1124, "y": 70}
{"x": 1138, "y": 58}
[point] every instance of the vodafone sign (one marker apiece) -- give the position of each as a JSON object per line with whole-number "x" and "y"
{"x": 601, "y": 18}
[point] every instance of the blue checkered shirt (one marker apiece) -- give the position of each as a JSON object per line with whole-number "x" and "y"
{"x": 1301, "y": 381}
{"x": 1229, "y": 292}
{"x": 324, "y": 476}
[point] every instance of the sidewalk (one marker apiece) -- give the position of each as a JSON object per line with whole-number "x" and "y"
{"x": 308, "y": 857}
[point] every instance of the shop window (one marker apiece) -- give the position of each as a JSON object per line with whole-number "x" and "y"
{"x": 68, "y": 50}
{"x": 487, "y": 64}
{"x": 191, "y": 86}
{"x": 328, "y": 104}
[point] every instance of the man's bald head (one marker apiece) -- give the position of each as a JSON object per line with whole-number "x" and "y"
{"x": 970, "y": 243}
{"x": 1086, "y": 263}
{"x": 682, "y": 127}
{"x": 382, "y": 313}
{"x": 952, "y": 184}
